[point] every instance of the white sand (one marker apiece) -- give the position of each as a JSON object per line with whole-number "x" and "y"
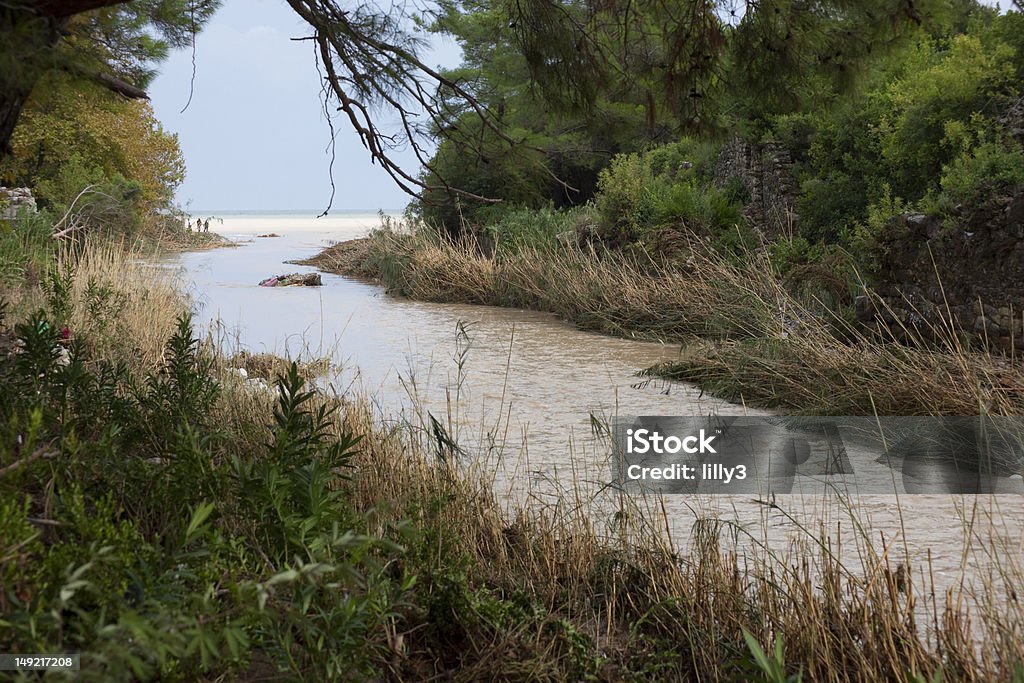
{"x": 341, "y": 226}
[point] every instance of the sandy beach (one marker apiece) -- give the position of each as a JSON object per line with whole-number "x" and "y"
{"x": 336, "y": 226}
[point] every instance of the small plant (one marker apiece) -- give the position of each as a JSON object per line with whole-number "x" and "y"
{"x": 772, "y": 666}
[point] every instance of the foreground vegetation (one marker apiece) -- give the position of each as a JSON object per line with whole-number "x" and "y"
{"x": 170, "y": 520}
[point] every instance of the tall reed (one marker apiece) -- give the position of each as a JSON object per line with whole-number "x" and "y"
{"x": 744, "y": 334}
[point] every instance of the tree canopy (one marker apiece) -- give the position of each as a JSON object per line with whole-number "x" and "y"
{"x": 548, "y": 92}
{"x": 115, "y": 43}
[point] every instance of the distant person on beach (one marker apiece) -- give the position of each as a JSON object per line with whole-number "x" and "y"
{"x": 206, "y": 225}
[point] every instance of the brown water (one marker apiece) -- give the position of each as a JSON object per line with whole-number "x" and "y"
{"x": 520, "y": 391}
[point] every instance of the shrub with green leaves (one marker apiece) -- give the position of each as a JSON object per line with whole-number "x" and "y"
{"x": 982, "y": 170}
{"x": 641, "y": 192}
{"x": 136, "y": 533}
{"x": 522, "y": 228}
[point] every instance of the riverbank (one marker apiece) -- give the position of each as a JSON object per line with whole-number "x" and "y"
{"x": 167, "y": 517}
{"x": 745, "y": 335}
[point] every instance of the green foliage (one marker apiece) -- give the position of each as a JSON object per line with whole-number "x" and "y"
{"x": 670, "y": 185}
{"x": 938, "y": 85}
{"x": 290, "y": 485}
{"x": 922, "y": 128}
{"x": 85, "y": 150}
{"x": 865, "y": 238}
{"x": 983, "y": 170}
{"x": 627, "y": 198}
{"x": 133, "y": 565}
{"x": 788, "y": 254}
{"x": 520, "y": 228}
{"x": 773, "y": 666}
{"x": 488, "y": 168}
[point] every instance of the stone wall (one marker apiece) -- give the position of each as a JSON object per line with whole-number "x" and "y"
{"x": 765, "y": 169}
{"x": 13, "y": 200}
{"x": 971, "y": 264}
{"x": 968, "y": 267}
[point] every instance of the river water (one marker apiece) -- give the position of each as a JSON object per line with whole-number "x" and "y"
{"x": 521, "y": 391}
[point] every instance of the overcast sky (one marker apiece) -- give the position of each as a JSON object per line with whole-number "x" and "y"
{"x": 254, "y": 136}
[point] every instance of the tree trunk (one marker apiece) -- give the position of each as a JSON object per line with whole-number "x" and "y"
{"x": 11, "y": 102}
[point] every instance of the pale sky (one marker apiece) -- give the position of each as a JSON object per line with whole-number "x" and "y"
{"x": 254, "y": 136}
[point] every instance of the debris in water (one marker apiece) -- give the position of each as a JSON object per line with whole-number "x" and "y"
{"x": 293, "y": 280}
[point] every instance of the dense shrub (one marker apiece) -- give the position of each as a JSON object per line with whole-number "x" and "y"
{"x": 923, "y": 125}
{"x": 669, "y": 186}
{"x": 982, "y": 170}
{"x": 145, "y": 541}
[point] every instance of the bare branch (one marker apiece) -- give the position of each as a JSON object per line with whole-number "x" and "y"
{"x": 120, "y": 87}
{"x": 371, "y": 70}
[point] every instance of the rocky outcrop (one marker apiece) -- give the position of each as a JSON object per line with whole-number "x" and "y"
{"x": 14, "y": 200}
{"x": 1013, "y": 120}
{"x": 967, "y": 268}
{"x": 765, "y": 170}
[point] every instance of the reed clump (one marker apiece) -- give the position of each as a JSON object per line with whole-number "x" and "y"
{"x": 745, "y": 333}
{"x": 596, "y": 591}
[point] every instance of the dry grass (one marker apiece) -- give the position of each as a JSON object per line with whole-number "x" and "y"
{"x": 745, "y": 335}
{"x": 842, "y": 614}
{"x": 123, "y": 306}
{"x": 269, "y": 366}
{"x": 346, "y": 258}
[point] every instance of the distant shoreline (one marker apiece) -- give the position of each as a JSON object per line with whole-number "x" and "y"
{"x": 311, "y": 213}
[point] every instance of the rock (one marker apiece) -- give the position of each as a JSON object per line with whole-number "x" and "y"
{"x": 1015, "y": 211}
{"x": 293, "y": 280}
{"x": 13, "y": 200}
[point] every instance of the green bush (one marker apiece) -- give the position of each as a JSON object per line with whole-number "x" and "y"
{"x": 165, "y": 552}
{"x": 910, "y": 130}
{"x": 640, "y": 192}
{"x": 520, "y": 228}
{"x": 983, "y": 170}
{"x": 626, "y": 200}
{"x": 96, "y": 201}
